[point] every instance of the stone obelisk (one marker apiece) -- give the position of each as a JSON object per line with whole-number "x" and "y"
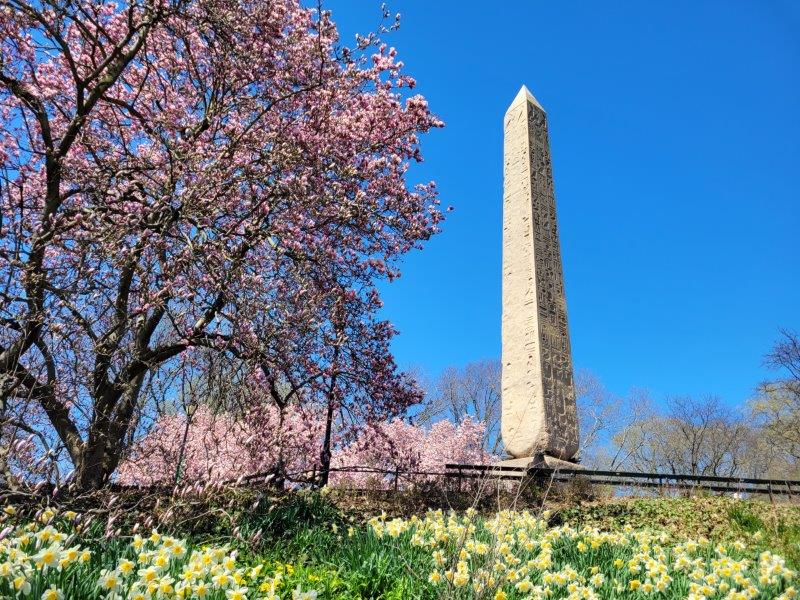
{"x": 539, "y": 416}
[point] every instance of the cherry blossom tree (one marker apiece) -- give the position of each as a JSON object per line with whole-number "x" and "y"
{"x": 221, "y": 447}
{"x": 400, "y": 447}
{"x": 186, "y": 176}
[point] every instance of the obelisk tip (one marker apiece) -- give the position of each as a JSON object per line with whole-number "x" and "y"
{"x": 524, "y": 95}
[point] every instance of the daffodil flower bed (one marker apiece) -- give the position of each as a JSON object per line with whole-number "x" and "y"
{"x": 510, "y": 556}
{"x": 515, "y": 555}
{"x": 43, "y": 559}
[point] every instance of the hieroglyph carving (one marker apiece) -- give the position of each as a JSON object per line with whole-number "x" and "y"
{"x": 539, "y": 413}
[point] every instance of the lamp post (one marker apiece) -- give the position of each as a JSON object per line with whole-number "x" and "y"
{"x": 190, "y": 408}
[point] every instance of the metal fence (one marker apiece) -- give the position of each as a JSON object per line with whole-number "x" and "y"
{"x": 456, "y": 474}
{"x": 624, "y": 479}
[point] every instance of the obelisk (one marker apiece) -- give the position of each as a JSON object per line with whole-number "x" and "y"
{"x": 539, "y": 416}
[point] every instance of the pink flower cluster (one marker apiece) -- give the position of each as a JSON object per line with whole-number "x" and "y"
{"x": 399, "y": 446}
{"x": 221, "y": 448}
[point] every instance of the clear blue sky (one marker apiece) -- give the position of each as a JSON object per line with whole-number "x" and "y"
{"x": 675, "y": 136}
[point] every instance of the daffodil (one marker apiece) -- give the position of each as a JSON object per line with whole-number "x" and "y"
{"x": 109, "y": 581}
{"x": 238, "y": 593}
{"x": 21, "y": 585}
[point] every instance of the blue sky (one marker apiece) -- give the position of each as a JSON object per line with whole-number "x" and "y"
{"x": 675, "y": 137}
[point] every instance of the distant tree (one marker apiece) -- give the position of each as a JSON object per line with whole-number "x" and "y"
{"x": 604, "y": 421}
{"x": 597, "y": 409}
{"x": 186, "y": 176}
{"x": 695, "y": 436}
{"x": 776, "y": 407}
{"x": 469, "y": 391}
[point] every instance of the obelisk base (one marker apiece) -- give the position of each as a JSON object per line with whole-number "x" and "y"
{"x": 540, "y": 461}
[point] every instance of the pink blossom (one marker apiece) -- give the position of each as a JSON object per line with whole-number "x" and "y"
{"x": 219, "y": 448}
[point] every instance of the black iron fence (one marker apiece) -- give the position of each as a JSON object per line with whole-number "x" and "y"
{"x": 623, "y": 479}
{"x": 396, "y": 478}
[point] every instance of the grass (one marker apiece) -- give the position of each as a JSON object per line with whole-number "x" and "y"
{"x": 303, "y": 546}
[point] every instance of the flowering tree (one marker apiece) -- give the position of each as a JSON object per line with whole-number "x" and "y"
{"x": 400, "y": 446}
{"x": 221, "y": 447}
{"x": 195, "y": 175}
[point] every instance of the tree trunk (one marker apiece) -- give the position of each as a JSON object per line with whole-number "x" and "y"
{"x": 95, "y": 468}
{"x": 105, "y": 444}
{"x": 325, "y": 456}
